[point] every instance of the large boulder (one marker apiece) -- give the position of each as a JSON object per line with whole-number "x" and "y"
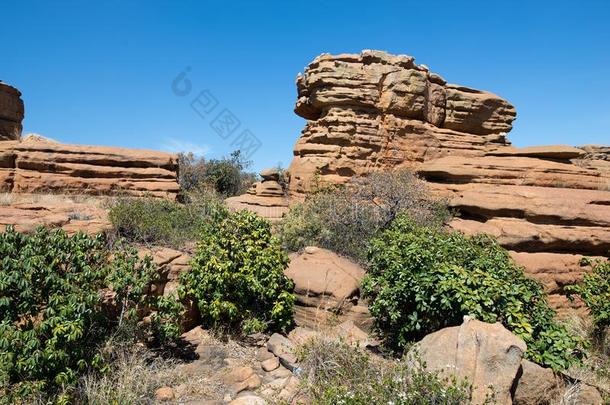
{"x": 327, "y": 286}
{"x": 487, "y": 355}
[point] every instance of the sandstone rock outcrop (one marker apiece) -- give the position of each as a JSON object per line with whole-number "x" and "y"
{"x": 265, "y": 198}
{"x": 11, "y": 112}
{"x": 376, "y": 111}
{"x": 38, "y": 165}
{"x": 549, "y": 205}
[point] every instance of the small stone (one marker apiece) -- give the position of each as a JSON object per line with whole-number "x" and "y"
{"x": 263, "y": 354}
{"x": 311, "y": 250}
{"x": 194, "y": 336}
{"x": 282, "y": 347}
{"x": 239, "y": 375}
{"x": 278, "y": 383}
{"x": 290, "y": 390}
{"x": 164, "y": 394}
{"x": 248, "y": 400}
{"x": 270, "y": 364}
{"x": 251, "y": 383}
{"x": 281, "y": 372}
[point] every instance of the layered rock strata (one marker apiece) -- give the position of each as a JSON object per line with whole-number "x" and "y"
{"x": 374, "y": 111}
{"x": 549, "y": 205}
{"x": 39, "y": 165}
{"x": 11, "y": 112}
{"x": 266, "y": 198}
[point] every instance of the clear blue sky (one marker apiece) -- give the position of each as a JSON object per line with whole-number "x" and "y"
{"x": 101, "y": 73}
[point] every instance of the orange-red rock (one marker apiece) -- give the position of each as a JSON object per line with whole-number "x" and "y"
{"x": 11, "y": 112}
{"x": 38, "y": 165}
{"x": 373, "y": 111}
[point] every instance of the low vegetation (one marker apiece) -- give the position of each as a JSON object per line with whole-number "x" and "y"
{"x": 237, "y": 278}
{"x": 53, "y": 312}
{"x": 334, "y": 372}
{"x": 421, "y": 280}
{"x": 345, "y": 218}
{"x": 132, "y": 375}
{"x": 227, "y": 176}
{"x": 594, "y": 291}
{"x": 162, "y": 222}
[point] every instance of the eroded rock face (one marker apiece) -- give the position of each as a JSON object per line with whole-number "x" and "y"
{"x": 549, "y": 205}
{"x": 11, "y": 112}
{"x": 39, "y": 165}
{"x": 373, "y": 111}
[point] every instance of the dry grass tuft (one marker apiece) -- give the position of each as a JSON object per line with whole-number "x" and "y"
{"x": 6, "y": 199}
{"x": 133, "y": 377}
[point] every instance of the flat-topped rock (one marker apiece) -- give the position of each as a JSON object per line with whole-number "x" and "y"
{"x": 36, "y": 165}
{"x": 512, "y": 170}
{"x": 270, "y": 174}
{"x": 562, "y": 152}
{"x": 71, "y": 213}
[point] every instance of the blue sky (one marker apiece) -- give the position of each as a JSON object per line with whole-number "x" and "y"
{"x": 101, "y": 72}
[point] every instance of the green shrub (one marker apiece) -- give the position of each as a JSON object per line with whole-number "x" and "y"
{"x": 345, "y": 218}
{"x": 237, "y": 277}
{"x": 52, "y": 310}
{"x": 227, "y": 176}
{"x": 164, "y": 222}
{"x": 421, "y": 280}
{"x": 334, "y": 372}
{"x": 595, "y": 293}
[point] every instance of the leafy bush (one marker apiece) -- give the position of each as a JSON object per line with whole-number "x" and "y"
{"x": 237, "y": 277}
{"x": 421, "y": 280}
{"x": 52, "y": 309}
{"x": 595, "y": 293}
{"x": 164, "y": 222}
{"x": 336, "y": 373}
{"x": 227, "y": 176}
{"x": 345, "y": 218}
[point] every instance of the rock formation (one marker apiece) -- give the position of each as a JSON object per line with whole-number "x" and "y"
{"x": 266, "y": 198}
{"x": 39, "y": 165}
{"x": 376, "y": 111}
{"x": 36, "y": 165}
{"x": 548, "y": 205}
{"x": 11, "y": 112}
